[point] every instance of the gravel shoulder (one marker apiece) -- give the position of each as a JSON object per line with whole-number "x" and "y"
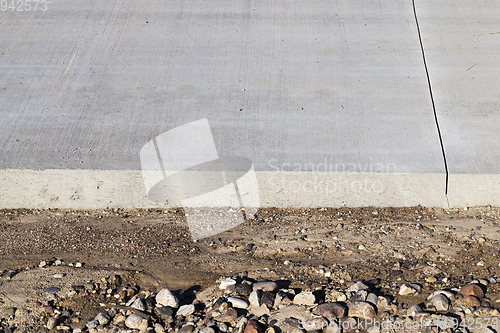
{"x": 310, "y": 248}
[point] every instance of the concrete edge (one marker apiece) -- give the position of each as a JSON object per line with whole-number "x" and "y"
{"x": 91, "y": 189}
{"x": 466, "y": 190}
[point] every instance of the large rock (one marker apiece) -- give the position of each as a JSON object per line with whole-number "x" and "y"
{"x": 166, "y": 298}
{"x": 331, "y": 310}
{"x": 137, "y": 322}
{"x": 305, "y": 298}
{"x": 361, "y": 310}
{"x": 472, "y": 290}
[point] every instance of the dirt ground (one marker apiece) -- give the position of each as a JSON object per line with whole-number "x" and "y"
{"x": 152, "y": 249}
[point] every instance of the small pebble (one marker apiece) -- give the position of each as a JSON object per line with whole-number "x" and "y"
{"x": 407, "y": 290}
{"x": 52, "y": 323}
{"x": 185, "y": 310}
{"x": 440, "y": 302}
{"x": 51, "y": 290}
{"x": 139, "y": 305}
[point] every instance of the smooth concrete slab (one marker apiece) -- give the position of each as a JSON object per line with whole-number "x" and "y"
{"x": 462, "y": 46}
{"x": 303, "y": 89}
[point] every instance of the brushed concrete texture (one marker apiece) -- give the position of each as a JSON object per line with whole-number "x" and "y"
{"x": 462, "y": 47}
{"x": 288, "y": 85}
{"x": 467, "y": 190}
{"x": 87, "y": 189}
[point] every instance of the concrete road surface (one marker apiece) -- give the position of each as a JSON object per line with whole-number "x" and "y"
{"x": 336, "y": 103}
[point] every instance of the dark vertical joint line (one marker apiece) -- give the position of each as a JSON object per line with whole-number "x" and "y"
{"x": 240, "y": 200}
{"x": 432, "y": 97}
{"x": 159, "y": 158}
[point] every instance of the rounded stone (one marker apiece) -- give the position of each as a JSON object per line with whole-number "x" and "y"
{"x": 331, "y": 310}
{"x": 185, "y": 310}
{"x": 237, "y": 302}
{"x": 361, "y": 310}
{"x": 92, "y": 324}
{"x": 52, "y": 323}
{"x": 440, "y": 302}
{"x": 134, "y": 321}
{"x": 51, "y": 290}
{"x": 372, "y": 298}
{"x": 304, "y": 298}
{"x": 102, "y": 318}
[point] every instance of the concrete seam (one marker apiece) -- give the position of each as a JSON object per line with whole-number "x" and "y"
{"x": 432, "y": 100}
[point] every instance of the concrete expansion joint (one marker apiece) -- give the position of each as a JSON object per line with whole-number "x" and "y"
{"x": 432, "y": 101}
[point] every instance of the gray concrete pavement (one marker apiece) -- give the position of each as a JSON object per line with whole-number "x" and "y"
{"x": 462, "y": 48}
{"x": 329, "y": 100}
